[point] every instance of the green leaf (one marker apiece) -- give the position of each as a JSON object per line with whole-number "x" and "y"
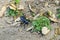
{"x": 11, "y": 12}
{"x": 58, "y": 15}
{"x": 17, "y": 1}
{"x": 40, "y": 22}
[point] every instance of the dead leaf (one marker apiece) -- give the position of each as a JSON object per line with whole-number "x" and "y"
{"x": 57, "y": 31}
{"x": 53, "y": 19}
{"x": 46, "y": 4}
{"x": 21, "y": 7}
{"x": 12, "y": 8}
{"x": 2, "y": 11}
{"x": 30, "y": 28}
{"x": 33, "y": 9}
{"x": 13, "y": 5}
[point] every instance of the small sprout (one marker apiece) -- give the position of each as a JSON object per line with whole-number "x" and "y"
{"x": 17, "y": 1}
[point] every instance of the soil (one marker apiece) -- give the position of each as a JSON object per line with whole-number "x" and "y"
{"x": 8, "y": 32}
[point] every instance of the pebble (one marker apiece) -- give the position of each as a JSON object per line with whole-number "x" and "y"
{"x": 45, "y": 30}
{"x": 57, "y": 2}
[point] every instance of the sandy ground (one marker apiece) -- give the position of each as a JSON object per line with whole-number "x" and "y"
{"x": 19, "y": 33}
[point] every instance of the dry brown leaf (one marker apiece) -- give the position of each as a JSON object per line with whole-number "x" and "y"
{"x": 46, "y": 4}
{"x": 21, "y": 7}
{"x": 12, "y": 8}
{"x": 13, "y": 5}
{"x": 57, "y": 31}
{"x": 33, "y": 9}
{"x": 53, "y": 19}
{"x": 2, "y": 11}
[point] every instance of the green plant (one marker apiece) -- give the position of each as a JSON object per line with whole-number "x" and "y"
{"x": 40, "y": 22}
{"x": 11, "y": 12}
{"x": 17, "y": 1}
{"x": 58, "y": 13}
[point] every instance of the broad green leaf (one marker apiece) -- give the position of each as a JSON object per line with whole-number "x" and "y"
{"x": 58, "y": 15}
{"x": 11, "y": 12}
{"x": 17, "y": 1}
{"x": 41, "y": 22}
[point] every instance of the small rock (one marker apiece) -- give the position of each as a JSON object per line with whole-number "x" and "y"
{"x": 45, "y": 30}
{"x": 57, "y": 2}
